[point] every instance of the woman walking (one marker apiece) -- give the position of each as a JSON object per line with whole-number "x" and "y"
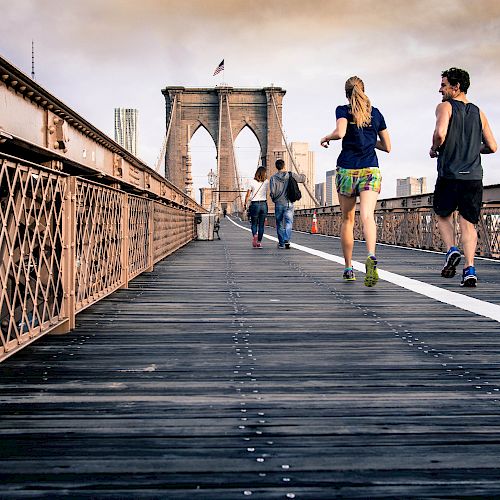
{"x": 362, "y": 129}
{"x": 257, "y": 194}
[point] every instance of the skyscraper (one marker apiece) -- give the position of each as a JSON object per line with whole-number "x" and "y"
{"x": 320, "y": 193}
{"x": 304, "y": 159}
{"x": 332, "y": 198}
{"x": 411, "y": 185}
{"x": 126, "y": 128}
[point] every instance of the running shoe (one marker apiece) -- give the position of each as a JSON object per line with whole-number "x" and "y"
{"x": 254, "y": 240}
{"x": 259, "y": 244}
{"x": 469, "y": 277}
{"x": 281, "y": 247}
{"x": 287, "y": 245}
{"x": 349, "y": 274}
{"x": 371, "y": 276}
{"x": 451, "y": 262}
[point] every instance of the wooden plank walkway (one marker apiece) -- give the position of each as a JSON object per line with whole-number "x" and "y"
{"x": 231, "y": 373}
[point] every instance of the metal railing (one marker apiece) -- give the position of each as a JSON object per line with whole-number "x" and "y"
{"x": 67, "y": 242}
{"x": 410, "y": 222}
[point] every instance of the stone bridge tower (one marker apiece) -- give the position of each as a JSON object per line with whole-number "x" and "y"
{"x": 223, "y": 112}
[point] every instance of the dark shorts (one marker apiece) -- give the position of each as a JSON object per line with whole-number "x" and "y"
{"x": 453, "y": 194}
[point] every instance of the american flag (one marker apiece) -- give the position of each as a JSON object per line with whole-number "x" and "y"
{"x": 219, "y": 68}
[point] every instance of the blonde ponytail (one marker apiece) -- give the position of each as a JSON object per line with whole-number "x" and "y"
{"x": 361, "y": 108}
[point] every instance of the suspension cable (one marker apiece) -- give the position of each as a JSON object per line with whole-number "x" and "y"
{"x": 217, "y": 190}
{"x": 289, "y": 152}
{"x": 165, "y": 140}
{"x": 234, "y": 156}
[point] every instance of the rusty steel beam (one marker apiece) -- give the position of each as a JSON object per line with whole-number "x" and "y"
{"x": 81, "y": 216}
{"x": 37, "y": 126}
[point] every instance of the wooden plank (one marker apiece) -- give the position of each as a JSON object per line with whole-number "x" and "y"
{"x": 223, "y": 355}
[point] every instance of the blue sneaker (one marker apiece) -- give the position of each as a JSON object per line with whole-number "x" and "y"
{"x": 349, "y": 274}
{"x": 469, "y": 278}
{"x": 451, "y": 262}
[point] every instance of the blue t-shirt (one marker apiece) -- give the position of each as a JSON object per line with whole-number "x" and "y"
{"x": 358, "y": 144}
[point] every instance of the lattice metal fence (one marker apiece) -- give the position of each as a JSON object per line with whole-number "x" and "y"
{"x": 31, "y": 244}
{"x": 139, "y": 230}
{"x": 409, "y": 227}
{"x": 67, "y": 242}
{"x": 168, "y": 235}
{"x": 99, "y": 235}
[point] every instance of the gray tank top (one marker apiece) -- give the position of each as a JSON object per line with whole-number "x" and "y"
{"x": 459, "y": 155}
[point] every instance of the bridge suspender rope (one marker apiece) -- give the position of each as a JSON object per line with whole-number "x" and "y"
{"x": 217, "y": 191}
{"x": 290, "y": 153}
{"x": 165, "y": 140}
{"x": 234, "y": 157}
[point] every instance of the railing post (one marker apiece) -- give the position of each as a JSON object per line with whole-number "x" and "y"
{"x": 151, "y": 231}
{"x": 68, "y": 258}
{"x": 125, "y": 241}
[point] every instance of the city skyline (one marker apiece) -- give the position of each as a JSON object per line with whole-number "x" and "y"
{"x": 98, "y": 56}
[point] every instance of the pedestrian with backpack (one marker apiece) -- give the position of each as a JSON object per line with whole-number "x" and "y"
{"x": 284, "y": 192}
{"x": 362, "y": 130}
{"x": 257, "y": 210}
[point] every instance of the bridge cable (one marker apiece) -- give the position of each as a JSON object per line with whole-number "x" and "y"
{"x": 217, "y": 191}
{"x": 234, "y": 156}
{"x": 163, "y": 150}
{"x": 290, "y": 153}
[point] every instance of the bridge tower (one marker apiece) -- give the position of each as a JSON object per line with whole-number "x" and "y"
{"x": 223, "y": 111}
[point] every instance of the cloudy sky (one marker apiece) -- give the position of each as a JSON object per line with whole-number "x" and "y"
{"x": 96, "y": 55}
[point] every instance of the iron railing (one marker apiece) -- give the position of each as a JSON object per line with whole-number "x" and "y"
{"x": 410, "y": 222}
{"x": 67, "y": 242}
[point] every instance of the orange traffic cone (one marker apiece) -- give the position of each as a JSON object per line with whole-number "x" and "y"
{"x": 314, "y": 228}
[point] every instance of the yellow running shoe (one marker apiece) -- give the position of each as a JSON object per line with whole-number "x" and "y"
{"x": 371, "y": 276}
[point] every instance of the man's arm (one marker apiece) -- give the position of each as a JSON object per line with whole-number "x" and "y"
{"x": 337, "y": 134}
{"x": 443, "y": 115}
{"x": 489, "y": 144}
{"x": 271, "y": 188}
{"x": 299, "y": 177}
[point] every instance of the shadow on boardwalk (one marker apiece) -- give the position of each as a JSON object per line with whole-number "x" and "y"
{"x": 230, "y": 372}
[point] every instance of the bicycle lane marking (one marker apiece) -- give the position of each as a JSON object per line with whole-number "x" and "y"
{"x": 470, "y": 304}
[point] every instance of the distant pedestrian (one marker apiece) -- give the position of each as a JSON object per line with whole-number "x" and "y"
{"x": 461, "y": 134}
{"x": 283, "y": 207}
{"x": 257, "y": 196}
{"x": 362, "y": 129}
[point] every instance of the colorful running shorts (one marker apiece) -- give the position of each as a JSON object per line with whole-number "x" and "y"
{"x": 351, "y": 181}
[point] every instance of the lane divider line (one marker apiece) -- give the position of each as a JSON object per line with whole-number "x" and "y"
{"x": 470, "y": 304}
{"x": 423, "y": 250}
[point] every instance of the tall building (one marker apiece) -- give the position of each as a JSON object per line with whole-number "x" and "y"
{"x": 126, "y": 128}
{"x": 320, "y": 193}
{"x": 411, "y": 185}
{"x": 305, "y": 162}
{"x": 332, "y": 197}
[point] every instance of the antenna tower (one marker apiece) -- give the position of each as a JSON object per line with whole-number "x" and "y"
{"x": 32, "y": 59}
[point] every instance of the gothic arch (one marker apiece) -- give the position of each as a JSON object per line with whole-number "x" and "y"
{"x": 258, "y": 134}
{"x": 223, "y": 112}
{"x": 199, "y": 124}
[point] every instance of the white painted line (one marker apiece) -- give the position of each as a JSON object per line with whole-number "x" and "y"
{"x": 476, "y": 257}
{"x": 476, "y": 306}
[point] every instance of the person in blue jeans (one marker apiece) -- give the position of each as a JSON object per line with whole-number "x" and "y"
{"x": 257, "y": 195}
{"x": 283, "y": 208}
